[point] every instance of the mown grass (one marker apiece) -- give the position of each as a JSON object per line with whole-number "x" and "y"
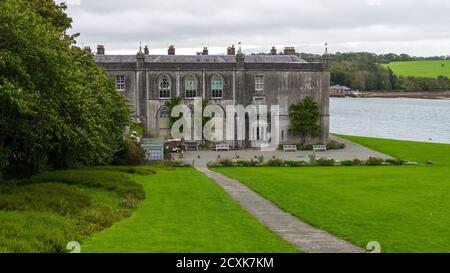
{"x": 186, "y": 212}
{"x": 76, "y": 203}
{"x": 405, "y": 208}
{"x": 431, "y": 69}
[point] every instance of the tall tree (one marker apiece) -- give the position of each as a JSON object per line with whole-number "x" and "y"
{"x": 304, "y": 118}
{"x": 58, "y": 108}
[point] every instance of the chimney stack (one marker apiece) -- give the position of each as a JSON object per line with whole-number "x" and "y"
{"x": 205, "y": 51}
{"x": 289, "y": 50}
{"x": 231, "y": 50}
{"x": 146, "y": 51}
{"x": 171, "y": 50}
{"x": 100, "y": 50}
{"x": 273, "y": 51}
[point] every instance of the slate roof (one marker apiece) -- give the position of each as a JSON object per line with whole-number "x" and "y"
{"x": 199, "y": 59}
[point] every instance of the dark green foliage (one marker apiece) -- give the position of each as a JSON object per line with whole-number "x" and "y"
{"x": 120, "y": 183}
{"x": 396, "y": 162}
{"x": 55, "y": 198}
{"x": 292, "y": 163}
{"x": 32, "y": 232}
{"x": 226, "y": 162}
{"x": 275, "y": 162}
{"x": 304, "y": 118}
{"x": 334, "y": 145}
{"x": 347, "y": 163}
{"x": 373, "y": 161}
{"x": 130, "y": 153}
{"x": 58, "y": 109}
{"x": 245, "y": 163}
{"x": 325, "y": 162}
{"x": 140, "y": 170}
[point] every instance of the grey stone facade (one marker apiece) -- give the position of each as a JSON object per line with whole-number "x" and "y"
{"x": 283, "y": 80}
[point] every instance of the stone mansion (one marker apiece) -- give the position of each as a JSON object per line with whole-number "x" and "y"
{"x": 149, "y": 81}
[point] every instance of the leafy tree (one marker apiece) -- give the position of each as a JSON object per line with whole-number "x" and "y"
{"x": 58, "y": 109}
{"x": 304, "y": 118}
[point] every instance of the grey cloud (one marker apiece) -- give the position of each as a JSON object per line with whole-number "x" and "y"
{"x": 120, "y": 25}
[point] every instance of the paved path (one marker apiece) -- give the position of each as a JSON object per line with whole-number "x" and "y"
{"x": 292, "y": 229}
{"x": 352, "y": 151}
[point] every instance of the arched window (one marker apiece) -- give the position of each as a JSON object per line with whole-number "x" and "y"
{"x": 164, "y": 85}
{"x": 190, "y": 84}
{"x": 164, "y": 112}
{"x": 216, "y": 87}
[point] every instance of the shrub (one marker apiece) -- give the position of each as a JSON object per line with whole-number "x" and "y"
{"x": 292, "y": 163}
{"x": 129, "y": 153}
{"x": 357, "y": 162}
{"x": 275, "y": 162}
{"x": 334, "y": 145}
{"x": 35, "y": 232}
{"x": 120, "y": 183}
{"x": 261, "y": 159}
{"x": 245, "y": 163}
{"x": 226, "y": 163}
{"x": 326, "y": 162}
{"x": 397, "y": 162}
{"x": 348, "y": 163}
{"x": 373, "y": 161}
{"x": 56, "y": 198}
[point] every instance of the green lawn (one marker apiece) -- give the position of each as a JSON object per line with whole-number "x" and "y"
{"x": 184, "y": 211}
{"x": 431, "y": 69}
{"x": 405, "y": 208}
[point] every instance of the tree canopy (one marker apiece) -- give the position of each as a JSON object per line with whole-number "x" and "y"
{"x": 57, "y": 107}
{"x": 304, "y": 118}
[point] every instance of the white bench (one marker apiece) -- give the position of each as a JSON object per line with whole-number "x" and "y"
{"x": 222, "y": 147}
{"x": 290, "y": 148}
{"x": 319, "y": 148}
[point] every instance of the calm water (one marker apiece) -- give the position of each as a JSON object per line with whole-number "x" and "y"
{"x": 406, "y": 119}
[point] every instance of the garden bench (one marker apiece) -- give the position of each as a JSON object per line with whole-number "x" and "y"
{"x": 290, "y": 148}
{"x": 319, "y": 148}
{"x": 222, "y": 147}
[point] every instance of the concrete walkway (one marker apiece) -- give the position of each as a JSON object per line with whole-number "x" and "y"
{"x": 352, "y": 151}
{"x": 292, "y": 229}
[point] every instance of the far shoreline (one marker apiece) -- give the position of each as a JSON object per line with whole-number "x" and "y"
{"x": 443, "y": 95}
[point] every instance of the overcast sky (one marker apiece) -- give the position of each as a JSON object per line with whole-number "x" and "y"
{"x": 416, "y": 27}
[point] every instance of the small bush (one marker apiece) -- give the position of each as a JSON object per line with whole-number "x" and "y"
{"x": 348, "y": 163}
{"x": 129, "y": 153}
{"x": 292, "y": 163}
{"x": 245, "y": 163}
{"x": 226, "y": 163}
{"x": 373, "y": 161}
{"x": 334, "y": 145}
{"x": 326, "y": 162}
{"x": 357, "y": 162}
{"x": 396, "y": 162}
{"x": 275, "y": 162}
{"x": 261, "y": 159}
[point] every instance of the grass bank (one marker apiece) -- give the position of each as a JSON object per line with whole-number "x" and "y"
{"x": 405, "y": 208}
{"x": 45, "y": 212}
